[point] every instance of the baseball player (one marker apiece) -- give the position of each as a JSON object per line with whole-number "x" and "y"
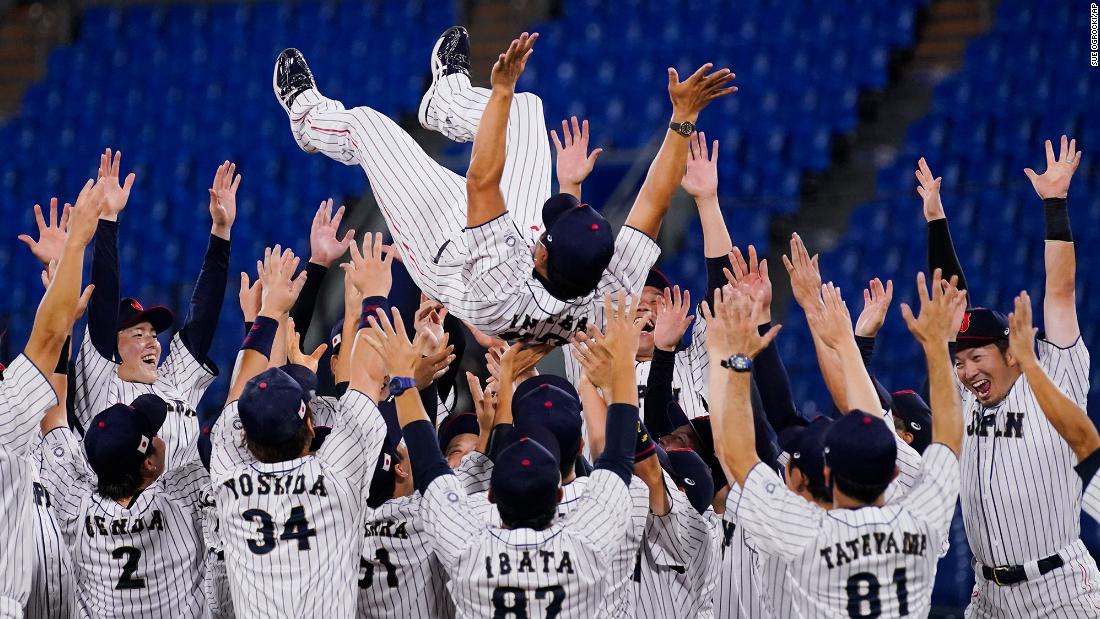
{"x": 513, "y": 270}
{"x": 861, "y": 558}
{"x": 119, "y": 356}
{"x": 1026, "y": 565}
{"x": 26, "y": 395}
{"x": 535, "y": 564}
{"x": 286, "y": 514}
{"x": 135, "y": 531}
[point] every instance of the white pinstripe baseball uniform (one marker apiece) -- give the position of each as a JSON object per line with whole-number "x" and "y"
{"x": 678, "y": 569}
{"x": 563, "y": 570}
{"x": 181, "y": 382}
{"x": 52, "y": 587}
{"x": 862, "y": 562}
{"x": 215, "y": 578}
{"x": 25, "y": 396}
{"x": 1090, "y": 499}
{"x": 144, "y": 560}
{"x": 289, "y": 527}
{"x": 1021, "y": 498}
{"x": 483, "y": 275}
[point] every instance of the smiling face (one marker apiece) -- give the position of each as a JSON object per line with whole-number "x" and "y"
{"x": 683, "y": 437}
{"x": 140, "y": 351}
{"x": 987, "y": 372}
{"x": 648, "y": 303}
{"x": 459, "y": 446}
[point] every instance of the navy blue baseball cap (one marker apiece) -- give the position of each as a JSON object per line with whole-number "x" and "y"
{"x": 705, "y": 434}
{"x": 915, "y": 415}
{"x": 453, "y": 425}
{"x": 557, "y": 412}
{"x": 118, "y": 439}
{"x": 980, "y": 327}
{"x": 691, "y": 474}
{"x": 539, "y": 380}
{"x": 525, "y": 474}
{"x": 384, "y": 480}
{"x": 272, "y": 407}
{"x": 657, "y": 279}
{"x": 860, "y": 448}
{"x": 335, "y": 335}
{"x": 579, "y": 245}
{"x": 806, "y": 447}
{"x": 131, "y": 312}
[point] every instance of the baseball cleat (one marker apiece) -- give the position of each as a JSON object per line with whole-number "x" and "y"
{"x": 450, "y": 55}
{"x": 292, "y": 77}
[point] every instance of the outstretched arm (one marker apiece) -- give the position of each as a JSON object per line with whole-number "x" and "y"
{"x": 1064, "y": 414}
{"x": 667, "y": 170}
{"x": 941, "y": 249}
{"x": 833, "y": 324}
{"x": 485, "y": 201}
{"x": 1060, "y": 300}
{"x": 324, "y": 248}
{"x": 103, "y": 309}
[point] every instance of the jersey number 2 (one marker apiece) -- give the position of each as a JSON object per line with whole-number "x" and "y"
{"x": 511, "y": 602}
{"x": 296, "y": 527}
{"x": 863, "y": 589}
{"x": 128, "y": 580}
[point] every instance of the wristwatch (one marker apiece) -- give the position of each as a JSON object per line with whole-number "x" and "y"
{"x": 736, "y": 363}
{"x": 400, "y": 384}
{"x": 685, "y": 128}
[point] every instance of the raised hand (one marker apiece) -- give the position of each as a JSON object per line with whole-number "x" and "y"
{"x": 520, "y": 359}
{"x": 324, "y": 246}
{"x": 249, "y": 295}
{"x": 672, "y": 319}
{"x": 1054, "y": 183}
{"x": 831, "y": 320}
{"x": 429, "y": 321}
{"x": 85, "y": 296}
{"x": 51, "y": 237}
{"x": 732, "y": 326}
{"x": 509, "y": 65}
{"x": 223, "y": 199}
{"x": 84, "y": 216}
{"x": 294, "y": 352}
{"x": 574, "y": 163}
{"x": 595, "y": 358}
{"x": 279, "y": 286}
{"x": 434, "y": 361}
{"x": 934, "y": 325}
{"x": 701, "y": 178}
{"x": 622, "y": 327}
{"x": 114, "y": 193}
{"x": 390, "y": 340}
{"x": 805, "y": 276}
{"x": 1021, "y": 333}
{"x": 485, "y": 403}
{"x": 690, "y": 96}
{"x": 929, "y": 189}
{"x": 876, "y": 301}
{"x": 371, "y": 269}
{"x": 751, "y": 278}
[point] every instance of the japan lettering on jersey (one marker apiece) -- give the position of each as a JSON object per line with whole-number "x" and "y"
{"x": 52, "y": 587}
{"x": 855, "y": 562}
{"x": 142, "y": 560}
{"x": 25, "y": 396}
{"x": 181, "y": 382}
{"x": 286, "y": 526}
{"x": 560, "y": 571}
{"x": 505, "y": 299}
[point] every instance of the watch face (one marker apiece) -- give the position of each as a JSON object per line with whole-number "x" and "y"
{"x": 687, "y": 128}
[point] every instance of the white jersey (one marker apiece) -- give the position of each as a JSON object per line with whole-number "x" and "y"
{"x": 25, "y": 396}
{"x": 52, "y": 588}
{"x": 145, "y": 560}
{"x": 288, "y": 527}
{"x": 482, "y": 275}
{"x": 181, "y": 382}
{"x": 855, "y": 562}
{"x": 215, "y": 578}
{"x": 1090, "y": 498}
{"x": 563, "y": 570}
{"x": 679, "y": 559}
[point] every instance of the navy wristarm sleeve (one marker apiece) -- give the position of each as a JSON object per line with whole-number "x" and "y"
{"x": 771, "y": 379}
{"x": 621, "y": 437}
{"x": 941, "y": 252}
{"x": 424, "y": 455}
{"x": 715, "y": 277}
{"x": 103, "y": 306}
{"x": 302, "y": 312}
{"x": 206, "y": 300}
{"x": 658, "y": 393}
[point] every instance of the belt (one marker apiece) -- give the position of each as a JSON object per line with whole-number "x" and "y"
{"x": 1005, "y": 575}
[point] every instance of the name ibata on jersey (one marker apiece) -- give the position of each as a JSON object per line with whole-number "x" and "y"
{"x": 528, "y": 561}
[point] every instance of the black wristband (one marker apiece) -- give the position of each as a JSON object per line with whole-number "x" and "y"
{"x": 62, "y": 366}
{"x": 1087, "y": 468}
{"x": 261, "y": 336}
{"x": 370, "y": 307}
{"x": 1056, "y": 216}
{"x": 247, "y": 327}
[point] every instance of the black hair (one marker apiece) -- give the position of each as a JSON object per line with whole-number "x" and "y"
{"x": 126, "y": 485}
{"x": 538, "y": 522}
{"x": 284, "y": 450}
{"x": 569, "y": 463}
{"x": 864, "y": 493}
{"x": 1002, "y": 345}
{"x": 818, "y": 490}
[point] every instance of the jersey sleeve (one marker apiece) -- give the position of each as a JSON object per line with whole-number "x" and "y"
{"x": 93, "y": 381}
{"x": 66, "y": 477}
{"x": 635, "y": 254}
{"x": 909, "y": 468}
{"x": 25, "y": 396}
{"x": 1068, "y": 368}
{"x": 449, "y": 521}
{"x": 227, "y": 448}
{"x": 936, "y": 491}
{"x": 497, "y": 267}
{"x": 679, "y": 537}
{"x": 187, "y": 485}
{"x": 474, "y": 472}
{"x": 186, "y": 374}
{"x": 781, "y": 522}
{"x": 603, "y": 513}
{"x": 352, "y": 448}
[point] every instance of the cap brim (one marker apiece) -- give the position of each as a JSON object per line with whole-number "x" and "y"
{"x": 553, "y": 380}
{"x": 159, "y": 316}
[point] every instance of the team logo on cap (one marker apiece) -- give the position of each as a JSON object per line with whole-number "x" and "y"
{"x": 965, "y": 324}
{"x": 916, "y": 426}
{"x": 134, "y": 304}
{"x": 689, "y": 481}
{"x": 143, "y": 446}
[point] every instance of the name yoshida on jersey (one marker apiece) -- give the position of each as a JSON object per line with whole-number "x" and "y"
{"x": 288, "y": 528}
